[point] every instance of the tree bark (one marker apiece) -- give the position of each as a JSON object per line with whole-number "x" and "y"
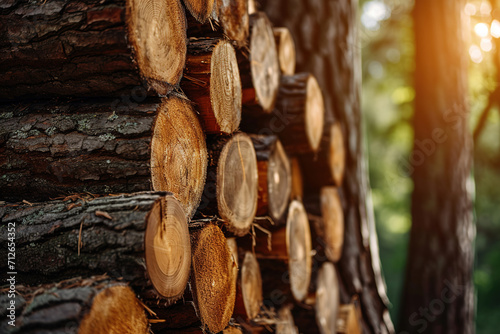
{"x": 86, "y": 306}
{"x": 328, "y": 46}
{"x": 438, "y": 294}
{"x": 275, "y": 179}
{"x": 212, "y": 82}
{"x": 81, "y": 48}
{"x": 125, "y": 236}
{"x": 51, "y": 149}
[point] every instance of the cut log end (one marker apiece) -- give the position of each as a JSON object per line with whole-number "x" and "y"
{"x": 234, "y": 18}
{"x": 333, "y": 222}
{"x": 200, "y": 9}
{"x": 327, "y": 299}
{"x": 314, "y": 113}
{"x": 297, "y": 181}
{"x": 285, "y": 324}
{"x": 157, "y": 32}
{"x": 115, "y": 310}
{"x": 279, "y": 181}
{"x": 237, "y": 183}
{"x": 179, "y": 153}
{"x": 337, "y": 154}
{"x": 213, "y": 278}
{"x": 299, "y": 249}
{"x": 264, "y": 61}
{"x": 168, "y": 249}
{"x": 251, "y": 285}
{"x": 286, "y": 50}
{"x": 225, "y": 87}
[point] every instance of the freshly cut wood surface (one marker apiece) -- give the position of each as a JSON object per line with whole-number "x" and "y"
{"x": 327, "y": 299}
{"x": 232, "y": 183}
{"x": 178, "y": 153}
{"x": 212, "y": 280}
{"x": 259, "y": 70}
{"x": 286, "y": 50}
{"x": 142, "y": 238}
{"x": 332, "y": 230}
{"x": 234, "y": 18}
{"x": 285, "y": 323}
{"x": 85, "y": 306}
{"x": 212, "y": 82}
{"x": 274, "y": 176}
{"x": 337, "y": 154}
{"x": 200, "y": 9}
{"x": 249, "y": 295}
{"x": 81, "y": 48}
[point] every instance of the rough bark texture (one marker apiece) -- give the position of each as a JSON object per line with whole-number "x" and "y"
{"x": 327, "y": 46}
{"x": 84, "y": 306}
{"x": 54, "y": 149}
{"x": 81, "y": 48}
{"x": 62, "y": 239}
{"x": 438, "y": 295}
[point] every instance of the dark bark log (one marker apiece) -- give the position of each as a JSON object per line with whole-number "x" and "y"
{"x": 298, "y": 117}
{"x": 54, "y": 149}
{"x": 333, "y": 31}
{"x": 81, "y": 48}
{"x": 212, "y": 82}
{"x": 119, "y": 235}
{"x": 84, "y": 306}
{"x": 441, "y": 250}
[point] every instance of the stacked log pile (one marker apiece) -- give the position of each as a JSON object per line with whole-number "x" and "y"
{"x": 153, "y": 156}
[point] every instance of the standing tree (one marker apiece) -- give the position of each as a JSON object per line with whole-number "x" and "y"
{"x": 438, "y": 295}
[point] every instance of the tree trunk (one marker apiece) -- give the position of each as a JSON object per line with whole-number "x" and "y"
{"x": 275, "y": 179}
{"x": 85, "y": 306}
{"x": 232, "y": 180}
{"x": 55, "y": 149}
{"x": 328, "y": 46}
{"x": 438, "y": 295}
{"x": 81, "y": 48}
{"x": 125, "y": 236}
{"x": 212, "y": 82}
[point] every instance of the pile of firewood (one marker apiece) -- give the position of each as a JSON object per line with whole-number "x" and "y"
{"x": 166, "y": 170}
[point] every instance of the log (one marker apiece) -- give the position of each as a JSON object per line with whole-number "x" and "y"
{"x": 274, "y": 176}
{"x": 286, "y": 50}
{"x": 200, "y": 9}
{"x": 213, "y": 281}
{"x": 259, "y": 71}
{"x": 327, "y": 299}
{"x": 252, "y": 7}
{"x": 286, "y": 324}
{"x": 85, "y": 306}
{"x": 297, "y": 182}
{"x": 292, "y": 245}
{"x": 52, "y": 149}
{"x": 249, "y": 290}
{"x": 143, "y": 238}
{"x": 89, "y": 48}
{"x": 298, "y": 117}
{"x": 349, "y": 319}
{"x": 232, "y": 180}
{"x": 234, "y": 18}
{"x": 212, "y": 82}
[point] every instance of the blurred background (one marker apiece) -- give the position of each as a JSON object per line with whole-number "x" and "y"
{"x": 388, "y": 95}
